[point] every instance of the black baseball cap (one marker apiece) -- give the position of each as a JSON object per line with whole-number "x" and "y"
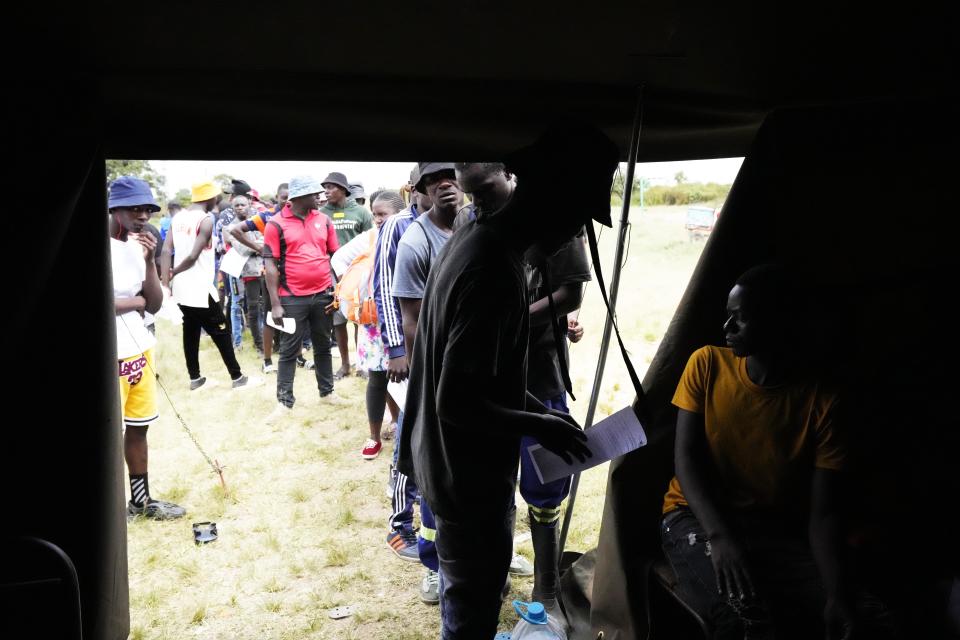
{"x": 427, "y": 168}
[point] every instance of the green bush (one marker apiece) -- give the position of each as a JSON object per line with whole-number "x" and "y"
{"x": 680, "y": 194}
{"x": 689, "y": 193}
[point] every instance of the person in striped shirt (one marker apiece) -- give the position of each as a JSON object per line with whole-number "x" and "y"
{"x": 238, "y": 231}
{"x": 402, "y": 538}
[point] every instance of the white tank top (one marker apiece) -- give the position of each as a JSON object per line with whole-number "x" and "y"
{"x": 192, "y": 287}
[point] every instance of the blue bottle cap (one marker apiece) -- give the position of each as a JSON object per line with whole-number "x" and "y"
{"x": 536, "y": 613}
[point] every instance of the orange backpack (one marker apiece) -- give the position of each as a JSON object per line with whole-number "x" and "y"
{"x": 353, "y": 295}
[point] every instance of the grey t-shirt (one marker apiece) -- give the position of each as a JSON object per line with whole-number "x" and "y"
{"x": 418, "y": 246}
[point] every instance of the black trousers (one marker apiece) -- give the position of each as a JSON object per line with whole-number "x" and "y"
{"x": 312, "y": 320}
{"x": 258, "y": 304}
{"x": 212, "y": 321}
{"x": 474, "y": 562}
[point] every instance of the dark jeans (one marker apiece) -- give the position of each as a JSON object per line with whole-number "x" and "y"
{"x": 258, "y": 305}
{"x": 474, "y": 560}
{"x": 790, "y": 594}
{"x": 313, "y": 321}
{"x": 214, "y": 323}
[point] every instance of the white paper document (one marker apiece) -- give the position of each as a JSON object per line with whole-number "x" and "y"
{"x": 232, "y": 263}
{"x": 608, "y": 439}
{"x": 398, "y": 391}
{"x": 289, "y": 324}
{"x": 169, "y": 310}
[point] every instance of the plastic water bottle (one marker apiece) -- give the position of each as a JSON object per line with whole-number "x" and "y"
{"x": 535, "y": 623}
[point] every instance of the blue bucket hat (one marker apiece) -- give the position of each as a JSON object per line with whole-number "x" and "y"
{"x": 303, "y": 186}
{"x": 127, "y": 191}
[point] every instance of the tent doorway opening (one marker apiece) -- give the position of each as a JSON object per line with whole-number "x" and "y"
{"x": 301, "y": 516}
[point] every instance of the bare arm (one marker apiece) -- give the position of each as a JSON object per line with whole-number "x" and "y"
{"x": 566, "y": 299}
{"x": 696, "y": 474}
{"x": 203, "y": 239}
{"x": 825, "y": 542}
{"x": 236, "y": 231}
{"x": 151, "y": 292}
{"x": 410, "y": 312}
{"x": 166, "y": 260}
{"x": 272, "y": 278}
{"x": 694, "y": 467}
{"x": 123, "y": 305}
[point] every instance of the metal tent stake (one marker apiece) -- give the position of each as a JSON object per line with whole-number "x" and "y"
{"x": 614, "y": 288}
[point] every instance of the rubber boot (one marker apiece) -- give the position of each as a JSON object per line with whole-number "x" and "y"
{"x": 546, "y": 572}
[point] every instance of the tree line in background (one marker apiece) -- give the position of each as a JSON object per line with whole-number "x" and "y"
{"x": 682, "y": 193}
{"x": 142, "y": 169}
{"x": 644, "y": 194}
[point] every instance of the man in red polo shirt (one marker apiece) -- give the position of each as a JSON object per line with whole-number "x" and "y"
{"x": 297, "y": 245}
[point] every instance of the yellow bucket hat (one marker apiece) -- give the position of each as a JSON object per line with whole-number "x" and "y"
{"x": 203, "y": 191}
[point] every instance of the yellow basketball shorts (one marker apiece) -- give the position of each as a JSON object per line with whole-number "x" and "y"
{"x": 138, "y": 389}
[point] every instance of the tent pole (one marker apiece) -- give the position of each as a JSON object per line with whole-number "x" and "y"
{"x": 614, "y": 288}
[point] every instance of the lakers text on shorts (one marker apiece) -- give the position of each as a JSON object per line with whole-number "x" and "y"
{"x": 138, "y": 389}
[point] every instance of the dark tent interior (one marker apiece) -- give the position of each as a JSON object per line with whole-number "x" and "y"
{"x": 804, "y": 91}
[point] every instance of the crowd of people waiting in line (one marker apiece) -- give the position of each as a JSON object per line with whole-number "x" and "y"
{"x": 474, "y": 305}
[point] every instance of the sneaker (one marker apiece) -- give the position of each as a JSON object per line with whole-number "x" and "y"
{"x": 156, "y": 510}
{"x": 430, "y": 587}
{"x": 197, "y": 383}
{"x": 310, "y": 365}
{"x": 268, "y": 367}
{"x": 280, "y": 413}
{"x": 301, "y": 361}
{"x": 520, "y": 566}
{"x": 404, "y": 544}
{"x": 371, "y": 449}
{"x": 333, "y": 400}
{"x": 246, "y": 381}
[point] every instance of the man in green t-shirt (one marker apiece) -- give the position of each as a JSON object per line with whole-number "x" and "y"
{"x": 349, "y": 220}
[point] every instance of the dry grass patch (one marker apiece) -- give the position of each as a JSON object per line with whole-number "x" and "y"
{"x": 302, "y": 521}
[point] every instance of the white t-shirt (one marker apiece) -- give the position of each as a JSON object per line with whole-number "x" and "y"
{"x": 129, "y": 272}
{"x": 192, "y": 287}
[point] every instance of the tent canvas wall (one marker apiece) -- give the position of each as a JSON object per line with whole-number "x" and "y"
{"x": 117, "y": 79}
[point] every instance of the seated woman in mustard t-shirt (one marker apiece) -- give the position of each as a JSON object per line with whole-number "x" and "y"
{"x": 750, "y": 520}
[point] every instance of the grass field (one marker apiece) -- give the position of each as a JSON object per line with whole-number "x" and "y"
{"x": 303, "y": 520}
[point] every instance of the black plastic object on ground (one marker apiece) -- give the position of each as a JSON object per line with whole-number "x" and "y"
{"x": 204, "y": 532}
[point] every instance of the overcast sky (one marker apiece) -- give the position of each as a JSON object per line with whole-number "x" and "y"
{"x": 265, "y": 176}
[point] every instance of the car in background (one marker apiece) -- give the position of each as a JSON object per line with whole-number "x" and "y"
{"x": 700, "y": 221}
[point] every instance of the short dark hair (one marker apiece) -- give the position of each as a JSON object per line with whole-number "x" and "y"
{"x": 392, "y": 198}
{"x": 283, "y": 185}
{"x": 487, "y": 167}
{"x": 174, "y": 205}
{"x": 772, "y": 287}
